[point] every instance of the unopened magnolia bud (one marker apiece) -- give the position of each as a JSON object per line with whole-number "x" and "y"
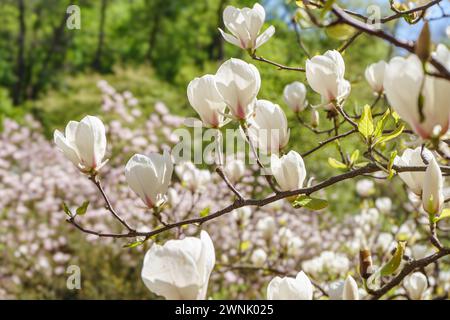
{"x": 365, "y": 263}
{"x": 315, "y": 118}
{"x": 423, "y": 43}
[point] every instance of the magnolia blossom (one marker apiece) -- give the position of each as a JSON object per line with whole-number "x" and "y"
{"x": 405, "y": 82}
{"x": 289, "y": 170}
{"x": 180, "y": 269}
{"x": 268, "y": 128}
{"x": 414, "y": 179}
{"x": 245, "y": 25}
{"x": 238, "y": 82}
{"x": 266, "y": 226}
{"x": 258, "y": 258}
{"x": 325, "y": 75}
{"x": 433, "y": 183}
{"x": 375, "y": 76}
{"x": 384, "y": 204}
{"x": 315, "y": 118}
{"x": 206, "y": 100}
{"x": 294, "y": 95}
{"x": 84, "y": 143}
{"x": 234, "y": 169}
{"x": 416, "y": 284}
{"x": 365, "y": 187}
{"x": 344, "y": 290}
{"x": 243, "y": 215}
{"x": 149, "y": 177}
{"x": 288, "y": 288}
{"x": 192, "y": 177}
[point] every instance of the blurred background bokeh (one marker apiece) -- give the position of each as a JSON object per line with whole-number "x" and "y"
{"x": 143, "y": 52}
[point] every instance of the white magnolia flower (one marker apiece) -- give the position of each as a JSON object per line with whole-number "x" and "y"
{"x": 245, "y": 25}
{"x": 180, "y": 269}
{"x": 234, "y": 169}
{"x": 285, "y": 235}
{"x": 405, "y": 82}
{"x": 192, "y": 177}
{"x": 420, "y": 251}
{"x": 268, "y": 128}
{"x": 294, "y": 245}
{"x": 433, "y": 183}
{"x": 416, "y": 284}
{"x": 375, "y": 76}
{"x": 413, "y": 158}
{"x": 149, "y": 177}
{"x": 258, "y": 258}
{"x": 294, "y": 95}
{"x": 385, "y": 241}
{"x": 325, "y": 75}
{"x": 206, "y": 100}
{"x": 288, "y": 288}
{"x": 238, "y": 83}
{"x": 242, "y": 215}
{"x": 84, "y": 143}
{"x": 289, "y": 170}
{"x": 365, "y": 187}
{"x": 173, "y": 197}
{"x": 267, "y": 227}
{"x": 384, "y": 205}
{"x": 344, "y": 290}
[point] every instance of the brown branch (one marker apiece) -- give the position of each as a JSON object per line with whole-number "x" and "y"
{"x": 407, "y": 269}
{"x": 276, "y": 64}
{"x": 370, "y": 29}
{"x": 370, "y": 168}
{"x": 94, "y": 178}
{"x": 325, "y": 142}
{"x": 228, "y": 183}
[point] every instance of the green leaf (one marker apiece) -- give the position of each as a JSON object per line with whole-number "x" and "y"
{"x": 134, "y": 244}
{"x": 393, "y": 264}
{"x": 365, "y": 125}
{"x": 305, "y": 201}
{"x": 355, "y": 156}
{"x": 67, "y": 210}
{"x": 381, "y": 124}
{"x": 395, "y": 116}
{"x": 336, "y": 164}
{"x": 327, "y": 7}
{"x": 205, "y": 212}
{"x": 82, "y": 209}
{"x": 361, "y": 164}
{"x": 394, "y": 134}
{"x": 340, "y": 31}
{"x": 391, "y": 164}
{"x": 444, "y": 214}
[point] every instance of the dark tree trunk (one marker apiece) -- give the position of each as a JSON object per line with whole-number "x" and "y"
{"x": 19, "y": 86}
{"x": 216, "y": 49}
{"x": 153, "y": 34}
{"x": 97, "y": 62}
{"x": 56, "y": 46}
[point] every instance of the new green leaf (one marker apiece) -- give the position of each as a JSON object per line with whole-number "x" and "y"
{"x": 82, "y": 209}
{"x": 336, "y": 164}
{"x": 305, "y": 201}
{"x": 67, "y": 210}
{"x": 393, "y": 264}
{"x": 365, "y": 124}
